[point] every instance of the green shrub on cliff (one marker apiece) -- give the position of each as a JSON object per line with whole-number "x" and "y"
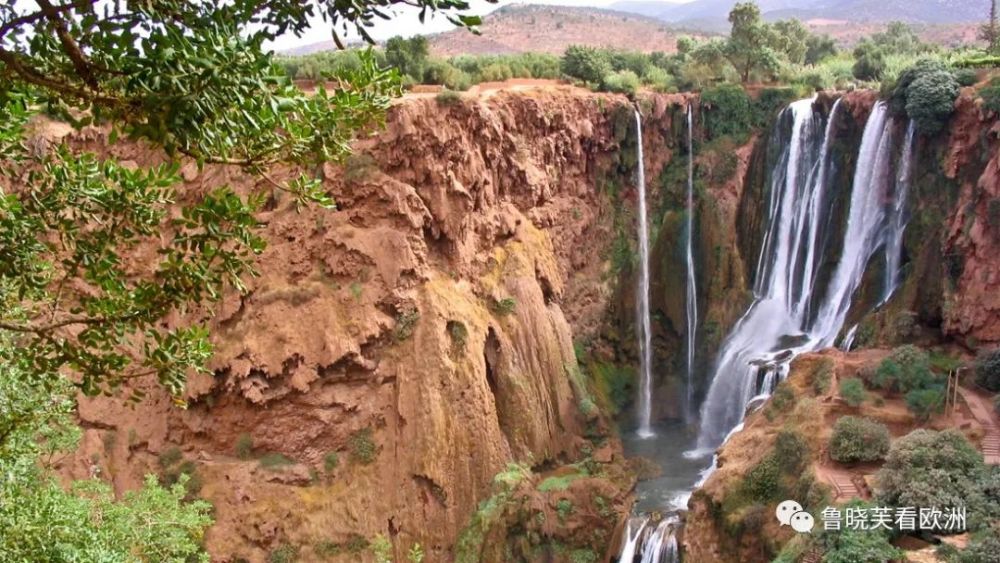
{"x": 763, "y": 482}
{"x": 988, "y": 370}
{"x": 966, "y": 77}
{"x": 821, "y": 375}
{"x": 939, "y": 469}
{"x": 791, "y": 451}
{"x": 930, "y": 101}
{"x": 991, "y": 95}
{"x": 925, "y": 402}
{"x": 244, "y": 446}
{"x": 983, "y": 547}
{"x": 906, "y": 369}
{"x": 622, "y": 82}
{"x": 856, "y": 439}
{"x": 926, "y": 93}
{"x": 849, "y": 545}
{"x": 362, "y": 446}
{"x": 727, "y": 110}
{"x": 852, "y": 390}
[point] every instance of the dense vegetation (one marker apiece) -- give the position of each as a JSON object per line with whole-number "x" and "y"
{"x": 77, "y": 312}
{"x": 908, "y": 371}
{"x": 783, "y": 52}
{"x": 940, "y": 469}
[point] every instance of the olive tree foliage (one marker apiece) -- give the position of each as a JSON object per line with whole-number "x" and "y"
{"x": 940, "y": 469}
{"x": 194, "y": 78}
{"x": 42, "y": 521}
{"x": 98, "y": 260}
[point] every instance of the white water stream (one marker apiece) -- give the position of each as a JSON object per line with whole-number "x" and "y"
{"x": 642, "y": 297}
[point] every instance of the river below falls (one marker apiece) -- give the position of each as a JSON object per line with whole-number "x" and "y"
{"x": 672, "y": 488}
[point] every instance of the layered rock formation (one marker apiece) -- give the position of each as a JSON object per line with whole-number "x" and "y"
{"x": 395, "y": 354}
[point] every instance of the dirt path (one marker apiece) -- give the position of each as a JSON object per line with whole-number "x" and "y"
{"x": 982, "y": 410}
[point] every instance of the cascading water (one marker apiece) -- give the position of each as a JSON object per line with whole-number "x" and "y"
{"x": 691, "y": 302}
{"x": 897, "y": 223}
{"x": 785, "y": 318}
{"x": 648, "y": 540}
{"x": 799, "y": 305}
{"x": 642, "y": 297}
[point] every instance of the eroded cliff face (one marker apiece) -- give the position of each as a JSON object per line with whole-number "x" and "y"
{"x": 402, "y": 350}
{"x": 972, "y": 160}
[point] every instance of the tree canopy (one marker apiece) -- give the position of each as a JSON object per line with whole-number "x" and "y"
{"x": 103, "y": 265}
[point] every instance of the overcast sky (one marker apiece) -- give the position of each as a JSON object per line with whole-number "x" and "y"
{"x": 406, "y": 23}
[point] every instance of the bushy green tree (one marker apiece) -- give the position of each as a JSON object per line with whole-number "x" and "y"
{"x": 791, "y": 451}
{"x": 749, "y": 47}
{"x": 585, "y": 63}
{"x": 819, "y": 47}
{"x": 791, "y": 39}
{"x": 624, "y": 82}
{"x": 906, "y": 369}
{"x": 983, "y": 547}
{"x": 899, "y": 38}
{"x": 869, "y": 61}
{"x": 940, "y": 469}
{"x": 988, "y": 370}
{"x": 410, "y": 56}
{"x": 925, "y": 402}
{"x": 930, "y": 101}
{"x": 849, "y": 545}
{"x": 686, "y": 44}
{"x": 900, "y": 90}
{"x": 853, "y": 391}
{"x": 728, "y": 110}
{"x": 45, "y": 522}
{"x": 857, "y": 439}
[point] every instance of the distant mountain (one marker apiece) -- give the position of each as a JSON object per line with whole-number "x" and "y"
{"x": 646, "y": 25}
{"x": 550, "y": 29}
{"x": 711, "y": 14}
{"x": 518, "y": 28}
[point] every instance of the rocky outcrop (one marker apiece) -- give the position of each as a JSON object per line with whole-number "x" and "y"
{"x": 972, "y": 307}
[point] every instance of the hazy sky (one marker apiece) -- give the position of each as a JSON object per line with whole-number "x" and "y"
{"x": 406, "y": 23}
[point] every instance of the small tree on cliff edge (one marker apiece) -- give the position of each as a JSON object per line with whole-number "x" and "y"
{"x": 80, "y": 309}
{"x": 989, "y": 31}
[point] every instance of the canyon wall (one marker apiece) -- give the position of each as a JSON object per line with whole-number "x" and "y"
{"x": 396, "y": 354}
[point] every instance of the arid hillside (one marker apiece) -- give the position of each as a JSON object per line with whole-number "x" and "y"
{"x": 550, "y": 29}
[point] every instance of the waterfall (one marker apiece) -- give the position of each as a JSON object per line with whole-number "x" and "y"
{"x": 897, "y": 223}
{"x": 848, "y": 341}
{"x": 785, "y": 270}
{"x": 651, "y": 540}
{"x": 692, "y": 290}
{"x": 866, "y": 223}
{"x": 785, "y": 318}
{"x": 642, "y": 296}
